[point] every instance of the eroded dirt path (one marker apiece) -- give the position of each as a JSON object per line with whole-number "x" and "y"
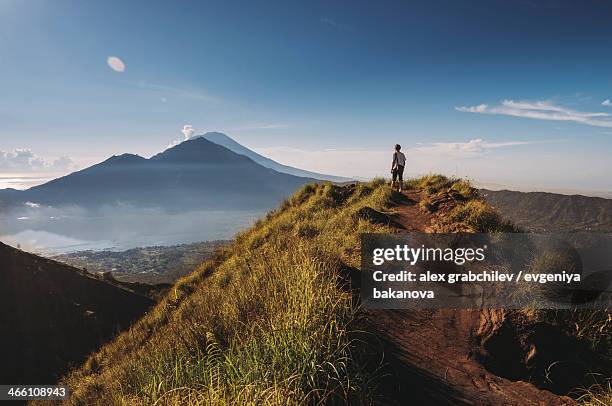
{"x": 430, "y": 353}
{"x": 409, "y": 214}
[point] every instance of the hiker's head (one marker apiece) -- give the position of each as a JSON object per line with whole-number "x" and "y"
{"x": 398, "y": 147}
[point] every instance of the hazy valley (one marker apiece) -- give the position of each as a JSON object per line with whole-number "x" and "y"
{"x": 195, "y": 191}
{"x": 157, "y": 264}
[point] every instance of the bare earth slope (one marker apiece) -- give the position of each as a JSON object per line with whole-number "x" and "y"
{"x": 430, "y": 352}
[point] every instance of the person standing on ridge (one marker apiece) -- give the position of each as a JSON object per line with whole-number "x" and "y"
{"x": 397, "y": 168}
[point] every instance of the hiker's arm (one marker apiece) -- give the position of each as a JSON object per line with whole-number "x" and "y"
{"x": 394, "y": 160}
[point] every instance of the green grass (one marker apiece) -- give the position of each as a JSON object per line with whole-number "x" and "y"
{"x": 263, "y": 323}
{"x": 266, "y": 321}
{"x": 434, "y": 183}
{"x": 468, "y": 209}
{"x": 479, "y": 217}
{"x": 429, "y": 183}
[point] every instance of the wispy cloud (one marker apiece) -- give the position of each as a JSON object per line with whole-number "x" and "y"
{"x": 471, "y": 148}
{"x": 423, "y": 157}
{"x": 25, "y": 161}
{"x": 334, "y": 23}
{"x": 481, "y": 108}
{"x": 541, "y": 110}
{"x": 259, "y": 126}
{"x": 178, "y": 92}
{"x": 606, "y": 102}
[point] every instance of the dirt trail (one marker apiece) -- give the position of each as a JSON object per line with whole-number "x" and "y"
{"x": 408, "y": 212}
{"x": 429, "y": 353}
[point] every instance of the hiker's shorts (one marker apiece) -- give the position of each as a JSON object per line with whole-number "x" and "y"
{"x": 398, "y": 173}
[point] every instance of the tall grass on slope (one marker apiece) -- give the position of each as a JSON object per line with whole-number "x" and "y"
{"x": 599, "y": 395}
{"x": 469, "y": 213}
{"x": 263, "y": 323}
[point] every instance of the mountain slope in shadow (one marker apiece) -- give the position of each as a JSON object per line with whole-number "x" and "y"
{"x": 541, "y": 211}
{"x": 52, "y": 316}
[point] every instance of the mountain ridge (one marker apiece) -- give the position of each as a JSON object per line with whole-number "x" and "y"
{"x": 196, "y": 173}
{"x": 229, "y": 143}
{"x": 546, "y": 211}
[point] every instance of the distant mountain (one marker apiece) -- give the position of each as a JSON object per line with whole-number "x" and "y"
{"x": 194, "y": 174}
{"x": 540, "y": 211}
{"x": 229, "y": 143}
{"x": 53, "y": 316}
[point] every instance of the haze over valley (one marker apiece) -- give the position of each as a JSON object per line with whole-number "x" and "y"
{"x": 195, "y": 191}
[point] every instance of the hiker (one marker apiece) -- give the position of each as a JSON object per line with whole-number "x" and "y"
{"x": 397, "y": 168}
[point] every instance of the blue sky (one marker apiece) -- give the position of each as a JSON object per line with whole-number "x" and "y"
{"x": 505, "y": 92}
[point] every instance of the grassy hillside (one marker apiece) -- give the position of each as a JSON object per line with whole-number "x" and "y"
{"x": 263, "y": 323}
{"x": 270, "y": 320}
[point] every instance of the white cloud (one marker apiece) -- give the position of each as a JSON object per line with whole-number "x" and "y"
{"x": 116, "y": 64}
{"x": 62, "y": 163}
{"x": 481, "y": 108}
{"x": 541, "y": 110}
{"x": 606, "y": 102}
{"x": 188, "y": 130}
{"x": 467, "y": 149}
{"x": 24, "y": 160}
